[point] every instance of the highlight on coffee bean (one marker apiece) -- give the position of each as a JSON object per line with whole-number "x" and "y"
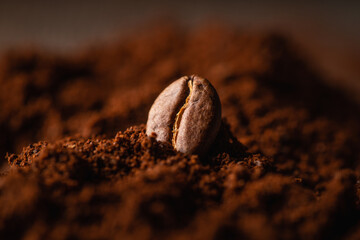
{"x": 186, "y": 114}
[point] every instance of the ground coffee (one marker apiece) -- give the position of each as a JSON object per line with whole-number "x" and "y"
{"x": 284, "y": 165}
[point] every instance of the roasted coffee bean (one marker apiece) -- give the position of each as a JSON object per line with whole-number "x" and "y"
{"x": 186, "y": 114}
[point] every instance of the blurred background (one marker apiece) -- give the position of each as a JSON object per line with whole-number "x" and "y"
{"x": 328, "y": 32}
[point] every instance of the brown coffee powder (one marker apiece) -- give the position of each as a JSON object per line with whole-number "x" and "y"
{"x": 284, "y": 165}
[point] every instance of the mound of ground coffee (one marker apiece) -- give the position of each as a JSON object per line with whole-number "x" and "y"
{"x": 284, "y": 165}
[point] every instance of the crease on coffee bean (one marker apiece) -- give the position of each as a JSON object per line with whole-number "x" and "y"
{"x": 178, "y": 117}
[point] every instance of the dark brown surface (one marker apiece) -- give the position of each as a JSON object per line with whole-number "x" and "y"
{"x": 284, "y": 166}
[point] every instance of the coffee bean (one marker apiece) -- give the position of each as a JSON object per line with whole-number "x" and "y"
{"x": 186, "y": 114}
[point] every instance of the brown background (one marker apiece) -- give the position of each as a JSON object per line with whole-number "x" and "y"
{"x": 329, "y": 31}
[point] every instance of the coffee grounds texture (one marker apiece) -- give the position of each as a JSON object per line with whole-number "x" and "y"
{"x": 285, "y": 164}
